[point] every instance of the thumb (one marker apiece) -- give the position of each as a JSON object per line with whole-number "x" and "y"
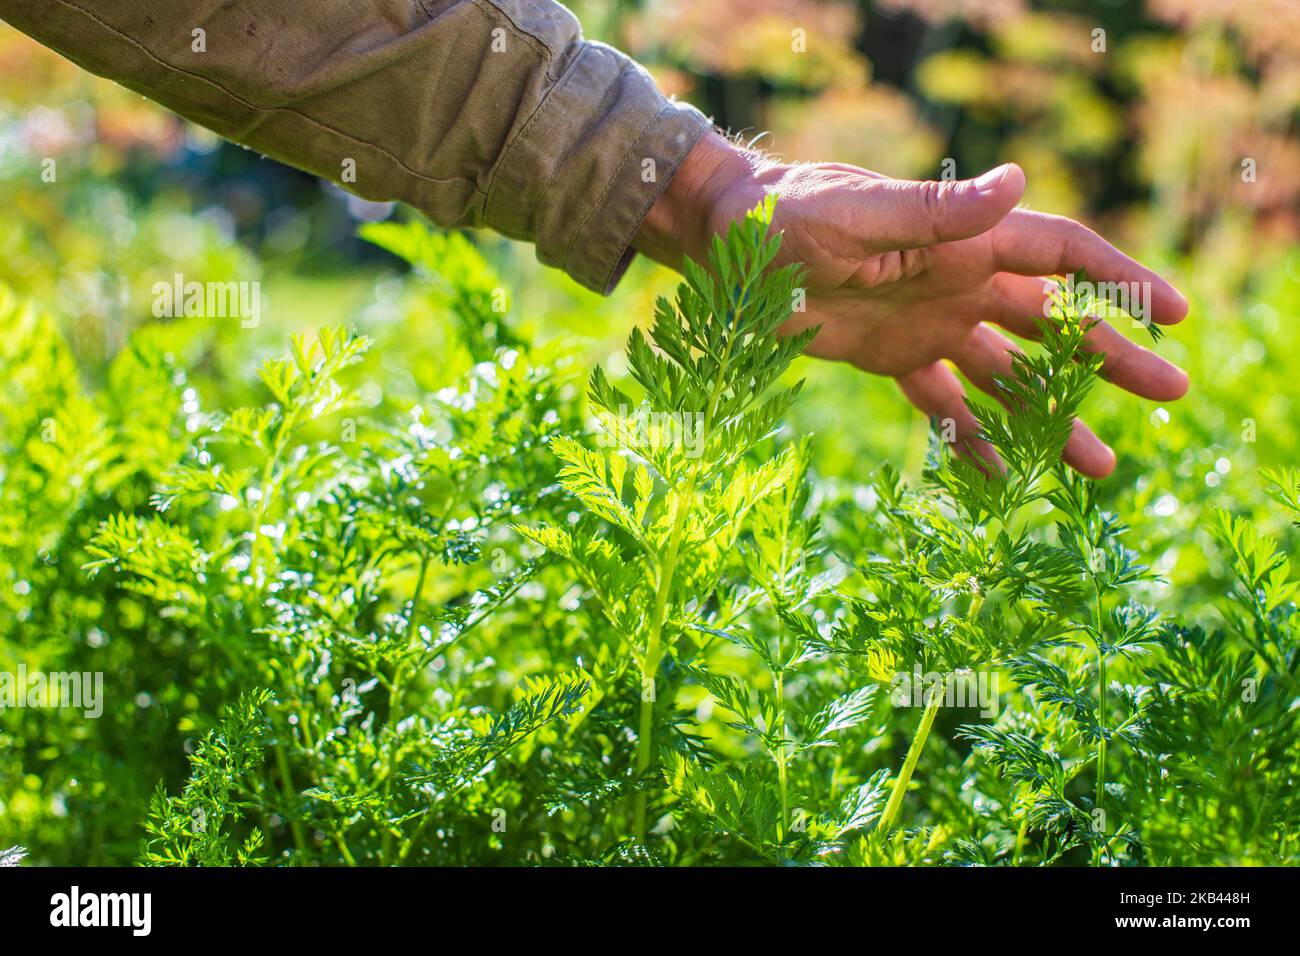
{"x": 913, "y": 214}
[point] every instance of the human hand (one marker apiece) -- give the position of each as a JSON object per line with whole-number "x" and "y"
{"x": 905, "y": 276}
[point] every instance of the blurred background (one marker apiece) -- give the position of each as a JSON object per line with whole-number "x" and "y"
{"x": 1168, "y": 125}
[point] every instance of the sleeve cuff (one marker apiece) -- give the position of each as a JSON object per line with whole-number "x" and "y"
{"x": 587, "y": 166}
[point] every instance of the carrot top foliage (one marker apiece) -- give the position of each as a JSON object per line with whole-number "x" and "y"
{"x": 490, "y": 623}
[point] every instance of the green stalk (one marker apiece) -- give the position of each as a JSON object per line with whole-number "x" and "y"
{"x": 259, "y": 546}
{"x": 782, "y": 758}
{"x": 1101, "y": 720}
{"x": 395, "y": 705}
{"x": 286, "y": 786}
{"x": 268, "y": 476}
{"x": 1020, "y": 841}
{"x": 913, "y": 755}
{"x": 781, "y": 772}
{"x": 650, "y": 661}
{"x": 343, "y": 848}
{"x": 653, "y": 651}
{"x": 922, "y": 733}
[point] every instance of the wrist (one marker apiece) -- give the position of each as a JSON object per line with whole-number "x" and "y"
{"x": 695, "y": 204}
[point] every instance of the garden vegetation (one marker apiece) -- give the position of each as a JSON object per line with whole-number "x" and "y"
{"x": 508, "y": 622}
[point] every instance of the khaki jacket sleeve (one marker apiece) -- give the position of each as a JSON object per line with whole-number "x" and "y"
{"x": 489, "y": 113}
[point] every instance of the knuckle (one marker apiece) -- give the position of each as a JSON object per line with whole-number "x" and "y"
{"x": 933, "y": 198}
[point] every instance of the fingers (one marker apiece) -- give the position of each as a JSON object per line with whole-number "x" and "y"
{"x": 938, "y": 393}
{"x": 1125, "y": 363}
{"x": 987, "y": 354}
{"x": 848, "y": 168}
{"x": 1035, "y": 244}
{"x": 908, "y": 215}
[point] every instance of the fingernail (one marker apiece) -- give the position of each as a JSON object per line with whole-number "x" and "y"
{"x": 1184, "y": 383}
{"x": 992, "y": 179}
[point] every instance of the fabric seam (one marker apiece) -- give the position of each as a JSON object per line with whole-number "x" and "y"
{"x": 600, "y": 200}
{"x": 701, "y": 129}
{"x": 509, "y": 149}
{"x": 268, "y": 109}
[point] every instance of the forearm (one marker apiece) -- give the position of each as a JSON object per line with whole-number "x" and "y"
{"x": 477, "y": 112}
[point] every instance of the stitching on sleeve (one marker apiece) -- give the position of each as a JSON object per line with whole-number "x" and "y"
{"x": 506, "y": 153}
{"x": 607, "y": 100}
{"x": 692, "y": 139}
{"x": 495, "y": 14}
{"x": 264, "y": 109}
{"x": 600, "y": 200}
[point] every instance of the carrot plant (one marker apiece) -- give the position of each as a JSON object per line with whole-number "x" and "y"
{"x": 415, "y": 605}
{"x": 662, "y": 583}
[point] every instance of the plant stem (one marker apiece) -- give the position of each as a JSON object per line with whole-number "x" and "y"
{"x": 1020, "y": 841}
{"x": 778, "y": 679}
{"x": 286, "y": 786}
{"x": 645, "y": 730}
{"x": 650, "y": 662}
{"x": 282, "y": 434}
{"x": 913, "y": 755}
{"x": 395, "y": 705}
{"x": 783, "y": 824}
{"x": 654, "y": 651}
{"x": 259, "y": 546}
{"x": 1101, "y": 724}
{"x": 343, "y": 848}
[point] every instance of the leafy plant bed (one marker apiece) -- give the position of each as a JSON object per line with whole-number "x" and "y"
{"x": 483, "y": 629}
